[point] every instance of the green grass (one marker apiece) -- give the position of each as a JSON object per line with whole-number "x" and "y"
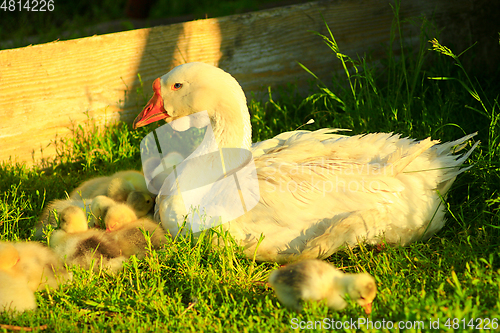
{"x": 192, "y": 286}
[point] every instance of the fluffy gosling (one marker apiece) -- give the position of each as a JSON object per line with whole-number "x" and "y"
{"x": 128, "y": 231}
{"x": 50, "y": 215}
{"x": 99, "y": 208}
{"x": 117, "y": 186}
{"x": 78, "y": 245}
{"x": 139, "y": 202}
{"x": 316, "y": 280}
{"x": 15, "y": 295}
{"x": 40, "y": 265}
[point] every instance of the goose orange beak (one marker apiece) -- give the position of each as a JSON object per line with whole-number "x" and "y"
{"x": 368, "y": 308}
{"x": 154, "y": 110}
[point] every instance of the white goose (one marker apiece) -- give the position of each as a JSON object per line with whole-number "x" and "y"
{"x": 318, "y": 191}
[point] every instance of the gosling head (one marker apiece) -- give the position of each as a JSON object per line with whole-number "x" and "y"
{"x": 362, "y": 289}
{"x": 118, "y": 216}
{"x": 140, "y": 202}
{"x": 72, "y": 220}
{"x": 9, "y": 256}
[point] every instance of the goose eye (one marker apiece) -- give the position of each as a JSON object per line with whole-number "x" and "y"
{"x": 176, "y": 86}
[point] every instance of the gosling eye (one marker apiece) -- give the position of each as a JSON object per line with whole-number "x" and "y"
{"x": 176, "y": 86}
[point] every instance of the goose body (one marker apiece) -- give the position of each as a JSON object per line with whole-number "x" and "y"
{"x": 316, "y": 280}
{"x": 317, "y": 191}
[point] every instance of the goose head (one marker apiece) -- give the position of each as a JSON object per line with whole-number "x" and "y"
{"x": 195, "y": 87}
{"x": 362, "y": 289}
{"x": 9, "y": 256}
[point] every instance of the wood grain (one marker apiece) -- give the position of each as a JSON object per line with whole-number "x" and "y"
{"x": 46, "y": 89}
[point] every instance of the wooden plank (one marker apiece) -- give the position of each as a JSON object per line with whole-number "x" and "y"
{"x": 46, "y": 88}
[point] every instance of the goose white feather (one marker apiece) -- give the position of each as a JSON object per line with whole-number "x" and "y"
{"x": 319, "y": 190}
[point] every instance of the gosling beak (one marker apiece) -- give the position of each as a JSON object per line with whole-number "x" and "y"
{"x": 368, "y": 308}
